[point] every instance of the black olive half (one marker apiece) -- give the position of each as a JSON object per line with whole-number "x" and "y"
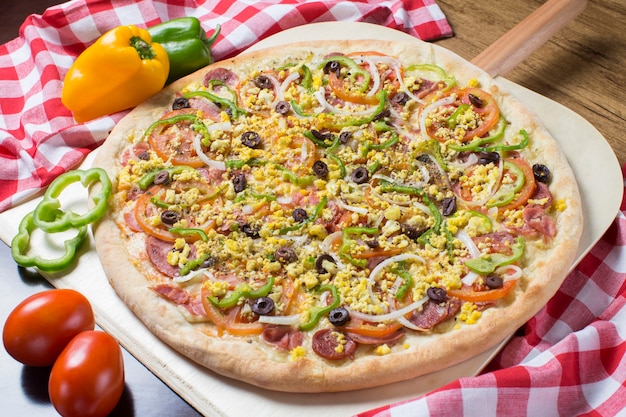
{"x": 180, "y": 103}
{"x": 239, "y": 182}
{"x": 541, "y": 173}
{"x": 360, "y": 175}
{"x": 250, "y": 139}
{"x": 170, "y": 217}
{"x": 262, "y": 306}
{"x": 319, "y": 263}
{"x": 494, "y": 281}
{"x": 263, "y": 81}
{"x": 282, "y": 107}
{"x": 436, "y": 294}
{"x": 285, "y": 255}
{"x": 320, "y": 169}
{"x": 339, "y": 316}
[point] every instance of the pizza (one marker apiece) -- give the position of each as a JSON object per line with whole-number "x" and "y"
{"x": 335, "y": 215}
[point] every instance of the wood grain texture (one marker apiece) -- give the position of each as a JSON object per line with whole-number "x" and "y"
{"x": 583, "y": 66}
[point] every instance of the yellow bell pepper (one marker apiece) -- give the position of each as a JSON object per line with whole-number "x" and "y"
{"x": 120, "y": 70}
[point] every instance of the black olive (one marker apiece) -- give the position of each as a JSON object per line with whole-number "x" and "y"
{"x": 180, "y": 103}
{"x": 250, "y": 230}
{"x": 163, "y": 177}
{"x": 299, "y": 215}
{"x": 322, "y": 136}
{"x": 262, "y": 306}
{"x": 209, "y": 262}
{"x": 412, "y": 232}
{"x": 345, "y": 136}
{"x": 239, "y": 182}
{"x": 423, "y": 158}
{"x": 282, "y": 107}
{"x": 285, "y": 254}
{"x": 332, "y": 66}
{"x": 372, "y": 243}
{"x": 360, "y": 175}
{"x": 541, "y": 173}
{"x": 448, "y": 206}
{"x": 475, "y": 100}
{"x": 250, "y": 139}
{"x": 319, "y": 263}
{"x": 144, "y": 156}
{"x": 485, "y": 158}
{"x": 339, "y": 316}
{"x": 170, "y": 217}
{"x": 494, "y": 281}
{"x": 382, "y": 115}
{"x": 400, "y": 98}
{"x": 263, "y": 81}
{"x": 436, "y": 294}
{"x": 320, "y": 169}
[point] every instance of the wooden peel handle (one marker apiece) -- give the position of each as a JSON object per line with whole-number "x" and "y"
{"x": 528, "y": 35}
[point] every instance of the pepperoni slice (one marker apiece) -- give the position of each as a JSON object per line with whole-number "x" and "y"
{"x": 435, "y": 313}
{"x": 157, "y": 250}
{"x": 326, "y": 344}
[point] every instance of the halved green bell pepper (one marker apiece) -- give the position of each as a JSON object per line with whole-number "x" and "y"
{"x": 48, "y": 215}
{"x": 186, "y": 44}
{"x": 21, "y": 243}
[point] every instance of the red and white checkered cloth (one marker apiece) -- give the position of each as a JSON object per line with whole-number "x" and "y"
{"x": 39, "y": 139}
{"x": 568, "y": 360}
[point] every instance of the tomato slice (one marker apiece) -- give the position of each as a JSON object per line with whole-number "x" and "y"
{"x": 229, "y": 322}
{"x": 339, "y": 88}
{"x": 370, "y": 330}
{"x": 468, "y": 294}
{"x": 527, "y": 189}
{"x": 488, "y": 110}
{"x": 145, "y": 209}
{"x": 174, "y": 142}
{"x": 377, "y": 252}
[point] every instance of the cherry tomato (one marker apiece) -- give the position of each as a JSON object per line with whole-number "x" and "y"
{"x": 39, "y": 328}
{"x": 87, "y": 379}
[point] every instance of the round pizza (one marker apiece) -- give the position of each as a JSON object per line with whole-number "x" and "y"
{"x": 329, "y": 216}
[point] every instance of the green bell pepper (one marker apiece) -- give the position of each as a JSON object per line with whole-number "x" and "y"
{"x": 317, "y": 312}
{"x": 243, "y": 290}
{"x": 487, "y": 265}
{"x": 50, "y": 218}
{"x": 21, "y": 243}
{"x": 186, "y": 44}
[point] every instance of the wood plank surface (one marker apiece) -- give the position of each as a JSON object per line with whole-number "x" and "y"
{"x": 582, "y": 67}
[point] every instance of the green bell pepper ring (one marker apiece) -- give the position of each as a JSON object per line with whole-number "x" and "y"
{"x": 243, "y": 290}
{"x": 50, "y": 218}
{"x": 403, "y": 273}
{"x": 316, "y": 313}
{"x": 186, "y": 44}
{"x": 21, "y": 242}
{"x": 487, "y": 265}
{"x": 346, "y": 243}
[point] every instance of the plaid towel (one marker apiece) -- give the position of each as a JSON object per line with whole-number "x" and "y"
{"x": 39, "y": 139}
{"x": 568, "y": 360}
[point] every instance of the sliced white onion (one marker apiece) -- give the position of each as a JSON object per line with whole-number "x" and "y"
{"x": 406, "y": 323}
{"x": 394, "y": 315}
{"x": 467, "y": 241}
{"x": 190, "y": 276}
{"x": 321, "y": 98}
{"x": 290, "y": 78}
{"x": 432, "y": 107}
{"x": 276, "y": 86}
{"x": 392, "y": 259}
{"x": 327, "y": 243}
{"x": 359, "y": 210}
{"x": 208, "y": 161}
{"x": 471, "y": 160}
{"x": 284, "y": 199}
{"x": 373, "y": 70}
{"x": 509, "y": 272}
{"x": 280, "y": 320}
{"x": 470, "y": 278}
{"x": 404, "y": 87}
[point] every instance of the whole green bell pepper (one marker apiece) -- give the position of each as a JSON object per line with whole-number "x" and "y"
{"x": 21, "y": 243}
{"x": 48, "y": 215}
{"x": 186, "y": 43}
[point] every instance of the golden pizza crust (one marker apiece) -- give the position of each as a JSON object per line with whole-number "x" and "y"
{"x": 256, "y": 363}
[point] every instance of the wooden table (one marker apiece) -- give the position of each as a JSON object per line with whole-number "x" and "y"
{"x": 581, "y": 67}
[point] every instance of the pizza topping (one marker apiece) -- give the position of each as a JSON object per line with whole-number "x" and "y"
{"x": 262, "y": 306}
{"x": 286, "y": 255}
{"x": 494, "y": 281}
{"x": 436, "y": 294}
{"x": 333, "y": 345}
{"x": 339, "y": 316}
{"x": 541, "y": 173}
{"x": 251, "y": 139}
{"x": 282, "y": 107}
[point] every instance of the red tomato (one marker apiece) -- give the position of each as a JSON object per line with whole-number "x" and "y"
{"x": 39, "y": 328}
{"x": 87, "y": 380}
